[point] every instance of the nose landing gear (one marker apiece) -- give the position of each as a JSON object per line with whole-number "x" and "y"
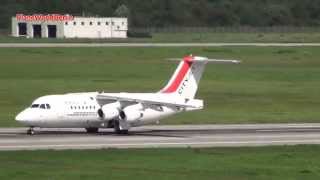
{"x": 92, "y": 130}
{"x": 30, "y": 131}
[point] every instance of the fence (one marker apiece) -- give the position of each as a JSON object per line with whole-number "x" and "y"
{"x": 4, "y": 32}
{"x": 240, "y": 29}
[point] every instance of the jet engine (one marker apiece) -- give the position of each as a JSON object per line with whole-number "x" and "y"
{"x": 109, "y": 111}
{"x": 131, "y": 113}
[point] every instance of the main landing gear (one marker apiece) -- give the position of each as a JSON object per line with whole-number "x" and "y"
{"x": 124, "y": 132}
{"x": 118, "y": 130}
{"x": 30, "y": 131}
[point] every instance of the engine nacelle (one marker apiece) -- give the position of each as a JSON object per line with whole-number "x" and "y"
{"x": 132, "y": 113}
{"x": 109, "y": 111}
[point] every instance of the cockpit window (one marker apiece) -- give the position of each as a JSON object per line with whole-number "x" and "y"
{"x": 34, "y": 105}
{"x": 42, "y": 106}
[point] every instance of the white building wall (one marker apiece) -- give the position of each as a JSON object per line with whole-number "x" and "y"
{"x": 80, "y": 27}
{"x": 91, "y": 27}
{"x": 44, "y": 28}
{"x": 14, "y": 27}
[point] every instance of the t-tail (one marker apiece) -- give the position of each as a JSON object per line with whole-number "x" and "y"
{"x": 185, "y": 80}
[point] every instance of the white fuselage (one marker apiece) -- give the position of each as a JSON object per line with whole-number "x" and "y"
{"x": 79, "y": 110}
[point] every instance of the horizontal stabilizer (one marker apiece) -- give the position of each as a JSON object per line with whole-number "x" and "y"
{"x": 223, "y": 61}
{"x": 218, "y": 61}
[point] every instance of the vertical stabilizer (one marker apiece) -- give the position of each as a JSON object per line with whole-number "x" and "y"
{"x": 184, "y": 82}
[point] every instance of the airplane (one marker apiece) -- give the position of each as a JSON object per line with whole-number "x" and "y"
{"x": 121, "y": 111}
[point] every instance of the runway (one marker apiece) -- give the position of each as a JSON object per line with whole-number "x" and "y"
{"x": 39, "y": 45}
{"x": 163, "y": 136}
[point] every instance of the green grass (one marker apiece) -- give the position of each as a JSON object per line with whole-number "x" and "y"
{"x": 272, "y": 85}
{"x": 209, "y": 37}
{"x": 263, "y": 163}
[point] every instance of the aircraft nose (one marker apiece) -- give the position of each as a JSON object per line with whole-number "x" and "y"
{"x": 25, "y": 116}
{"x": 21, "y": 117}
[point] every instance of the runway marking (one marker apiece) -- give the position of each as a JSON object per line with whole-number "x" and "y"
{"x": 287, "y": 130}
{"x": 135, "y": 138}
{"x": 139, "y": 145}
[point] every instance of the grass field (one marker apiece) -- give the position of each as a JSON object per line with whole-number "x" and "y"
{"x": 272, "y": 85}
{"x": 303, "y": 37}
{"x": 261, "y": 163}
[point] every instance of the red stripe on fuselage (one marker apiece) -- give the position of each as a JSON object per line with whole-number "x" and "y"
{"x": 182, "y": 73}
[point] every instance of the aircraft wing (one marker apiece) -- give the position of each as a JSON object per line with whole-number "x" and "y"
{"x": 149, "y": 100}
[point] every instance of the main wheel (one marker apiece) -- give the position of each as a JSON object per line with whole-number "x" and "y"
{"x": 122, "y": 131}
{"x": 118, "y": 130}
{"x": 92, "y": 130}
{"x": 30, "y": 131}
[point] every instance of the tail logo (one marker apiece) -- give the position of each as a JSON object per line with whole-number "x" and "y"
{"x": 182, "y": 72}
{"x": 183, "y": 85}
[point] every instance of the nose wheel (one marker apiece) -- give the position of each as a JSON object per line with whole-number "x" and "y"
{"x": 30, "y": 131}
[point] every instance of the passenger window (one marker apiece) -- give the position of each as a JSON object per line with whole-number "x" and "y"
{"x": 42, "y": 106}
{"x": 48, "y": 106}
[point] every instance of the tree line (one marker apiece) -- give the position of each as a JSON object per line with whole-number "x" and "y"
{"x": 177, "y": 13}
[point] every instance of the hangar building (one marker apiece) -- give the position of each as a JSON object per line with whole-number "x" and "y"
{"x": 67, "y": 26}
